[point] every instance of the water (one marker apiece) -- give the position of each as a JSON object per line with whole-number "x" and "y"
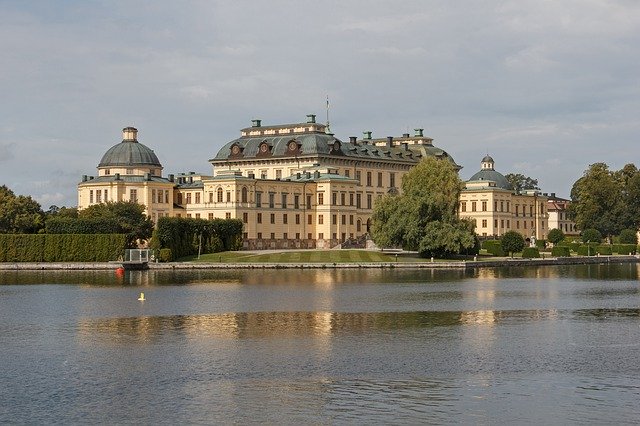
{"x": 526, "y": 345}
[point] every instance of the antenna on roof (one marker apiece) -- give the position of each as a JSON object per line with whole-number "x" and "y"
{"x": 328, "y": 127}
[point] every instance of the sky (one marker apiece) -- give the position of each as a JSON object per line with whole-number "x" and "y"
{"x": 546, "y": 87}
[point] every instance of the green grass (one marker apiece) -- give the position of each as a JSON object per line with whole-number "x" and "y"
{"x": 305, "y": 256}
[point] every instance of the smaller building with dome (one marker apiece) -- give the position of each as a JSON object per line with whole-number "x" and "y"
{"x": 492, "y": 203}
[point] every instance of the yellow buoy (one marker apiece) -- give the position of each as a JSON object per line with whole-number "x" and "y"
{"x": 141, "y": 298}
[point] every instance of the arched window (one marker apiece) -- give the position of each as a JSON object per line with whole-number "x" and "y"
{"x": 219, "y": 195}
{"x": 358, "y": 225}
{"x": 244, "y": 194}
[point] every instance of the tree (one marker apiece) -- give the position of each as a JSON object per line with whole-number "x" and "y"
{"x": 555, "y": 236}
{"x": 129, "y": 216}
{"x": 521, "y": 182}
{"x": 598, "y": 201}
{"x": 424, "y": 216}
{"x": 19, "y": 214}
{"x": 591, "y": 236}
{"x": 512, "y": 242}
{"x": 628, "y": 236}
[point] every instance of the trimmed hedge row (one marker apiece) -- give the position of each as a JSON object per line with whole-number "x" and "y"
{"x": 61, "y": 247}
{"x": 561, "y": 251}
{"x": 183, "y": 236}
{"x": 493, "y": 247}
{"x": 530, "y": 253}
{"x": 69, "y": 225}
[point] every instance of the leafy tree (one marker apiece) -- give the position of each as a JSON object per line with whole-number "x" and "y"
{"x": 55, "y": 211}
{"x": 628, "y": 236}
{"x": 512, "y": 242}
{"x": 19, "y": 214}
{"x": 591, "y": 235}
{"x": 521, "y": 182}
{"x": 424, "y": 216}
{"x": 598, "y": 201}
{"x": 555, "y": 236}
{"x": 129, "y": 216}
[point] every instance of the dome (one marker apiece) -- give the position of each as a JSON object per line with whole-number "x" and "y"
{"x": 488, "y": 173}
{"x": 129, "y": 152}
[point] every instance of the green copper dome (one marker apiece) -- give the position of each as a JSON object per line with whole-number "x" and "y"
{"x": 129, "y": 152}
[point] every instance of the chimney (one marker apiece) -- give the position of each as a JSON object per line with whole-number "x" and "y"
{"x": 311, "y": 118}
{"x": 367, "y": 134}
{"x": 256, "y": 123}
{"x": 553, "y": 195}
{"x": 389, "y": 141}
{"x": 84, "y": 178}
{"x": 419, "y": 132}
{"x": 130, "y": 134}
{"x": 353, "y": 139}
{"x": 171, "y": 178}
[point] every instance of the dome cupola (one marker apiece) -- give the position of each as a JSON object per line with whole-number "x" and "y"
{"x": 129, "y": 152}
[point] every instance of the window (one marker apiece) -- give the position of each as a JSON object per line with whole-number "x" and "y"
{"x": 296, "y": 201}
{"x": 342, "y": 199}
{"x": 188, "y": 198}
{"x": 278, "y": 174}
{"x": 309, "y": 219}
{"x": 473, "y": 206}
{"x": 334, "y": 219}
{"x": 160, "y": 196}
{"x": 245, "y": 217}
{"x": 344, "y": 219}
{"x": 227, "y": 215}
{"x": 508, "y": 224}
{"x": 350, "y": 219}
{"x": 228, "y": 196}
{"x": 153, "y": 195}
{"x": 285, "y": 236}
{"x": 309, "y": 202}
{"x": 219, "y": 192}
{"x": 320, "y": 219}
{"x": 379, "y": 178}
{"x": 273, "y": 218}
{"x": 517, "y": 224}
{"x": 502, "y": 223}
{"x": 98, "y": 196}
{"x": 106, "y": 197}
{"x": 321, "y": 236}
{"x": 258, "y": 199}
{"x": 508, "y": 205}
{"x": 210, "y": 216}
{"x": 244, "y": 194}
{"x": 484, "y": 206}
{"x": 350, "y": 199}
{"x": 259, "y": 235}
{"x": 297, "y": 235}
{"x": 320, "y": 198}
{"x": 358, "y": 225}
{"x": 358, "y": 200}
{"x": 297, "y": 219}
{"x": 501, "y": 206}
{"x": 197, "y": 198}
{"x": 368, "y": 178}
{"x": 309, "y": 236}
{"x": 495, "y": 223}
{"x": 334, "y": 197}
{"x": 517, "y": 206}
{"x": 166, "y": 197}
{"x": 495, "y": 206}
{"x": 272, "y": 200}
{"x": 463, "y": 206}
{"x": 133, "y": 195}
{"x": 524, "y": 224}
{"x": 197, "y": 215}
{"x": 358, "y": 176}
{"x": 285, "y": 219}
{"x": 284, "y": 201}
{"x": 211, "y": 197}
{"x": 369, "y": 201}
{"x": 179, "y": 197}
{"x": 263, "y": 174}
{"x": 259, "y": 218}
{"x": 484, "y": 223}
{"x": 273, "y": 236}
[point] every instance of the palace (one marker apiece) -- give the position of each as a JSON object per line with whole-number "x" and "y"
{"x": 293, "y": 186}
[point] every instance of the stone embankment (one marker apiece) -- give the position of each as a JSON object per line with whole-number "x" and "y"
{"x": 458, "y": 264}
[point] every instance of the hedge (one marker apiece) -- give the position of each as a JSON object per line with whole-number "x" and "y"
{"x": 493, "y": 247}
{"x": 587, "y": 250}
{"x": 560, "y": 251}
{"x": 604, "y": 250}
{"x": 184, "y": 236}
{"x": 68, "y": 225}
{"x": 624, "y": 248}
{"x": 61, "y": 247}
{"x": 530, "y": 253}
{"x": 541, "y": 244}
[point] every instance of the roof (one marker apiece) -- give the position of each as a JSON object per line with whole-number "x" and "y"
{"x": 487, "y": 159}
{"x": 129, "y": 153}
{"x": 492, "y": 175}
{"x": 127, "y": 179}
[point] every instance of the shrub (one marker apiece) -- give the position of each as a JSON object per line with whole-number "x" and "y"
{"x": 61, "y": 247}
{"x": 628, "y": 236}
{"x": 164, "y": 255}
{"x": 560, "y": 251}
{"x": 591, "y": 236}
{"x": 624, "y": 248}
{"x": 493, "y": 247}
{"x": 541, "y": 244}
{"x": 555, "y": 236}
{"x": 604, "y": 250}
{"x": 587, "y": 250}
{"x": 530, "y": 253}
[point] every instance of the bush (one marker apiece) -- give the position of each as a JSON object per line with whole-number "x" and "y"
{"x": 493, "y": 247}
{"x": 164, "y": 255}
{"x": 587, "y": 250}
{"x": 530, "y": 253}
{"x": 591, "y": 236}
{"x": 541, "y": 244}
{"x": 628, "y": 236}
{"x": 604, "y": 250}
{"x": 560, "y": 251}
{"x": 555, "y": 236}
{"x": 61, "y": 247}
{"x": 624, "y": 248}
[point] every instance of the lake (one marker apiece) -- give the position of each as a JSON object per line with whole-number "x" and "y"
{"x": 547, "y": 345}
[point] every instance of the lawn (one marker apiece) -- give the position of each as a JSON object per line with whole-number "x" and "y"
{"x": 305, "y": 256}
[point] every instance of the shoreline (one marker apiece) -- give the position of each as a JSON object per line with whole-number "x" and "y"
{"x": 457, "y": 264}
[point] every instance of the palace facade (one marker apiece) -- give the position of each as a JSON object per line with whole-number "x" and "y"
{"x": 293, "y": 185}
